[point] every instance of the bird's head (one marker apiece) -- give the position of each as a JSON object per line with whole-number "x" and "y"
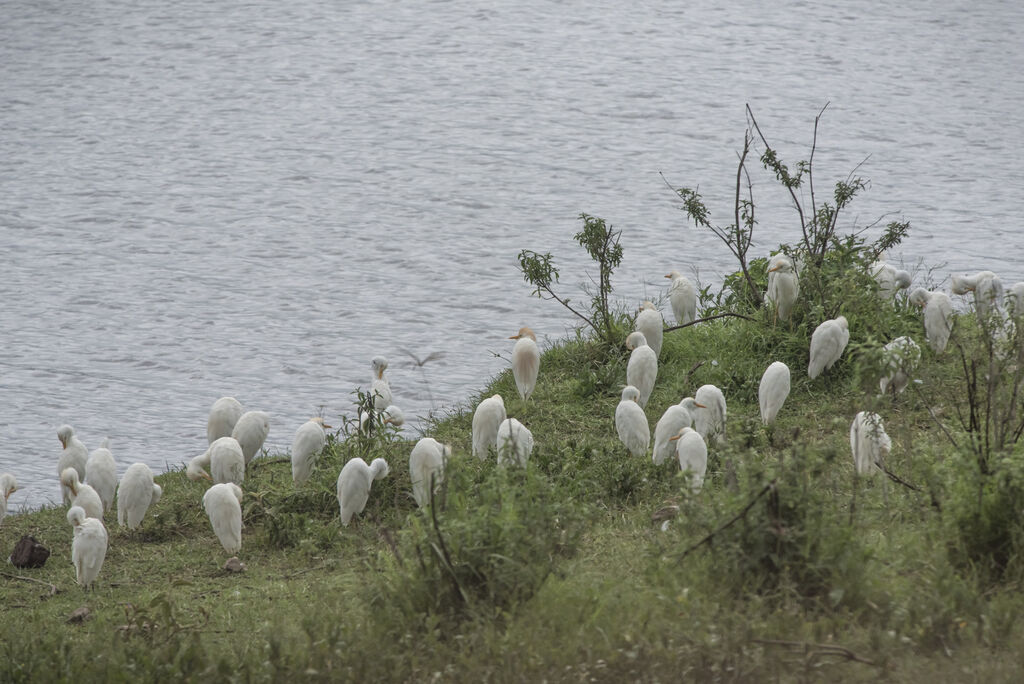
{"x": 679, "y": 435}
{"x": 380, "y": 364}
{"x": 69, "y": 478}
{"x": 76, "y": 515}
{"x": 635, "y": 339}
{"x": 919, "y": 297}
{"x": 630, "y": 393}
{"x": 672, "y": 275}
{"x": 524, "y": 332}
{"x": 64, "y": 434}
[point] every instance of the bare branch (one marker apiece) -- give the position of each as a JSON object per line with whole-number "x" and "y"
{"x": 709, "y": 318}
{"x": 739, "y": 516}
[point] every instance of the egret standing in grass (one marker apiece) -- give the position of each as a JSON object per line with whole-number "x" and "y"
{"x": 223, "y": 504}
{"x": 987, "y": 289}
{"x": 901, "y": 358}
{"x": 82, "y": 495}
{"x": 869, "y": 443}
{"x": 307, "y": 444}
{"x": 354, "y": 482}
{"x": 938, "y": 316}
{"x": 426, "y": 469}
{"x": 514, "y": 443}
{"x": 135, "y": 494}
{"x": 488, "y": 416}
{"x": 710, "y": 420}
{"x": 392, "y": 415}
{"x": 773, "y": 390}
{"x": 675, "y": 418}
{"x": 693, "y": 455}
{"x": 525, "y": 362}
{"x": 380, "y": 390}
{"x": 652, "y": 325}
{"x": 250, "y": 432}
{"x": 828, "y": 342}
{"x": 224, "y": 413}
{"x": 783, "y": 286}
{"x": 102, "y": 472}
{"x": 74, "y": 455}
{"x": 89, "y": 547}
{"x": 631, "y": 422}
{"x": 225, "y": 461}
{"x": 642, "y": 369}
{"x": 8, "y": 485}
{"x": 682, "y": 295}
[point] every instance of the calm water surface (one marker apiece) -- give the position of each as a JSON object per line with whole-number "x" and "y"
{"x": 254, "y": 199}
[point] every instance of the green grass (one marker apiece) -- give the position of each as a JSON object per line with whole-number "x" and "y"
{"x": 565, "y": 577}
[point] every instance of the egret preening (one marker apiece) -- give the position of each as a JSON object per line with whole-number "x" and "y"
{"x": 901, "y": 358}
{"x": 89, "y": 547}
{"x": 82, "y": 495}
{"x": 525, "y": 362}
{"x": 773, "y": 390}
{"x": 869, "y": 443}
{"x": 682, "y": 295}
{"x": 309, "y": 441}
{"x": 354, "y": 485}
{"x": 693, "y": 455}
{"x": 514, "y": 443}
{"x": 889, "y": 278}
{"x": 488, "y": 416}
{"x": 631, "y": 422}
{"x": 827, "y": 344}
{"x": 225, "y": 461}
{"x": 675, "y": 418}
{"x": 250, "y": 432}
{"x": 74, "y": 455}
{"x": 102, "y": 471}
{"x": 1015, "y": 300}
{"x": 783, "y": 286}
{"x": 938, "y": 316}
{"x": 392, "y": 415}
{"x": 223, "y": 504}
{"x": 426, "y": 466}
{"x": 380, "y": 390}
{"x": 987, "y": 289}
{"x": 135, "y": 494}
{"x": 8, "y": 485}
{"x": 652, "y": 325}
{"x": 642, "y": 369}
{"x": 224, "y": 413}
{"x": 710, "y": 420}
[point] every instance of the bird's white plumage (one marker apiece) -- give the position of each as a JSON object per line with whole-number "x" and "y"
{"x": 631, "y": 422}
{"x": 102, "y": 475}
{"x": 642, "y": 369}
{"x": 987, "y": 289}
{"x": 223, "y": 504}
{"x": 392, "y": 415}
{"x": 901, "y": 358}
{"x": 426, "y": 466}
{"x": 224, "y": 414}
{"x": 354, "y": 482}
{"x": 773, "y": 390}
{"x": 8, "y": 485}
{"x": 1015, "y": 300}
{"x": 89, "y": 546}
{"x": 250, "y": 432}
{"x": 652, "y": 325}
{"x": 307, "y": 444}
{"x": 889, "y": 278}
{"x": 783, "y": 285}
{"x": 135, "y": 494}
{"x": 869, "y": 443}
{"x": 82, "y": 495}
{"x": 682, "y": 296}
{"x": 692, "y": 452}
{"x": 828, "y": 342}
{"x": 74, "y": 455}
{"x": 488, "y": 416}
{"x": 710, "y": 421}
{"x": 223, "y": 458}
{"x": 675, "y": 418}
{"x": 525, "y": 362}
{"x": 514, "y": 443}
{"x": 380, "y": 389}
{"x": 938, "y": 316}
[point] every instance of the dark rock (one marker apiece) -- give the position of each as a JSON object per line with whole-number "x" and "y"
{"x": 28, "y": 553}
{"x": 234, "y": 565}
{"x": 79, "y": 615}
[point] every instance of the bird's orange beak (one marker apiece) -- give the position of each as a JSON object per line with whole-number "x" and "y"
{"x": 515, "y": 337}
{"x": 772, "y": 270}
{"x": 673, "y": 439}
{"x": 699, "y": 405}
{"x": 206, "y": 475}
{"x": 326, "y": 426}
{"x": 668, "y": 276}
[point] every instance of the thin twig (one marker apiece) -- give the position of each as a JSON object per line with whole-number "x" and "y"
{"x": 443, "y": 550}
{"x": 258, "y": 462}
{"x": 746, "y": 509}
{"x": 710, "y": 318}
{"x": 53, "y": 587}
{"x": 935, "y": 418}
{"x": 897, "y": 479}
{"x": 824, "y": 649}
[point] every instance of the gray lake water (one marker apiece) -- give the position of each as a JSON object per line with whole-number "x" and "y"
{"x": 207, "y": 198}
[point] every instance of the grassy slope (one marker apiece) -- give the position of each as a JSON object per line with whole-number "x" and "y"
{"x": 624, "y": 606}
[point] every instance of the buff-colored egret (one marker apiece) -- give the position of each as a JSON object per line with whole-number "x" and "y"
{"x": 631, "y": 422}
{"x": 426, "y": 468}
{"x": 675, "y": 418}
{"x": 223, "y": 504}
{"x": 938, "y": 316}
{"x": 224, "y": 413}
{"x": 135, "y": 494}
{"x": 74, "y": 455}
{"x": 8, "y": 485}
{"x": 307, "y": 444}
{"x": 692, "y": 452}
{"x": 525, "y": 362}
{"x": 89, "y": 547}
{"x": 682, "y": 295}
{"x": 380, "y": 390}
{"x": 250, "y": 432}
{"x": 828, "y": 342}
{"x": 514, "y": 443}
{"x": 642, "y": 369}
{"x": 987, "y": 289}
{"x": 488, "y": 416}
{"x": 710, "y": 421}
{"x": 1015, "y": 300}
{"x": 869, "y": 443}
{"x": 901, "y": 358}
{"x": 82, "y": 494}
{"x": 783, "y": 286}
{"x": 225, "y": 461}
{"x": 773, "y": 390}
{"x": 354, "y": 482}
{"x": 652, "y": 325}
{"x": 889, "y": 278}
{"x": 102, "y": 474}
{"x": 392, "y": 415}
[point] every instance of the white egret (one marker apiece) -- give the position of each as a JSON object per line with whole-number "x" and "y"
{"x": 642, "y": 369}
{"x": 426, "y": 465}
{"x": 783, "y": 286}
{"x": 675, "y": 418}
{"x": 693, "y": 455}
{"x": 392, "y": 415}
{"x": 1015, "y": 300}
{"x": 828, "y": 342}
{"x": 987, "y": 289}
{"x": 102, "y": 472}
{"x": 225, "y": 461}
{"x": 631, "y": 422}
{"x": 773, "y": 390}
{"x": 869, "y": 443}
{"x": 135, "y": 494}
{"x": 889, "y": 278}
{"x": 223, "y": 504}
{"x": 74, "y": 455}
{"x": 525, "y": 362}
{"x": 307, "y": 444}
{"x": 82, "y": 494}
{"x": 224, "y": 413}
{"x": 89, "y": 547}
{"x": 901, "y": 358}
{"x": 710, "y": 421}
{"x": 8, "y": 485}
{"x": 380, "y": 390}
{"x": 354, "y": 482}
{"x": 938, "y": 316}
{"x": 652, "y": 325}
{"x": 682, "y": 295}
{"x": 250, "y": 432}
{"x": 514, "y": 443}
{"x": 488, "y": 416}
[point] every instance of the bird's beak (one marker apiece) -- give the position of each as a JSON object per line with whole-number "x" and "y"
{"x": 669, "y": 277}
{"x": 673, "y": 439}
{"x": 514, "y": 337}
{"x": 206, "y": 475}
{"x": 74, "y": 490}
{"x": 772, "y": 270}
{"x": 326, "y": 426}
{"x": 699, "y": 405}
{"x": 636, "y": 400}
{"x": 380, "y": 374}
